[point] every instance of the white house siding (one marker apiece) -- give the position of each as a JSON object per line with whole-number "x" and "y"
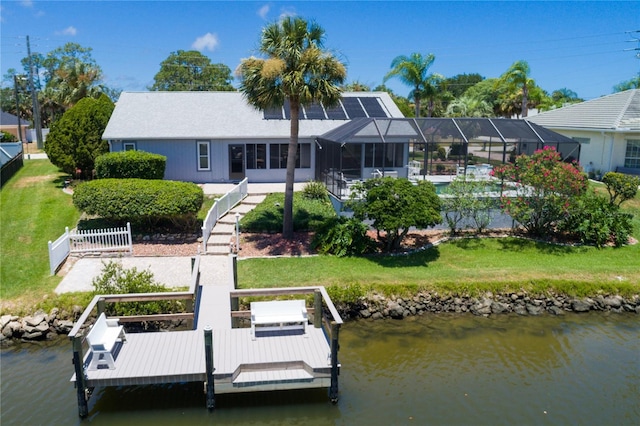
{"x": 605, "y": 151}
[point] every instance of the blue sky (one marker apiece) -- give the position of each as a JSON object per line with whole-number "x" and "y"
{"x": 577, "y": 45}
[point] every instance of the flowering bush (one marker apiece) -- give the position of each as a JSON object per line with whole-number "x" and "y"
{"x": 545, "y": 188}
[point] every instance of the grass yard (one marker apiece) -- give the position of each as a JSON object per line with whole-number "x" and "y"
{"x": 469, "y": 266}
{"x": 464, "y": 266}
{"x": 34, "y": 210}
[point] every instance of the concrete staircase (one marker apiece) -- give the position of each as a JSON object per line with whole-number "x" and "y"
{"x": 219, "y": 243}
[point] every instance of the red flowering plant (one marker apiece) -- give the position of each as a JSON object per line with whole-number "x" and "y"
{"x": 545, "y": 187}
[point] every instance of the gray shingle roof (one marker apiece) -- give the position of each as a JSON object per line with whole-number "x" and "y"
{"x": 7, "y": 119}
{"x": 620, "y": 111}
{"x": 209, "y": 115}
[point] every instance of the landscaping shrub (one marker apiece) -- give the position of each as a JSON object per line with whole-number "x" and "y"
{"x": 75, "y": 140}
{"x": 395, "y": 206}
{"x": 7, "y": 137}
{"x": 139, "y": 200}
{"x": 621, "y": 187}
{"x": 343, "y": 237}
{"x": 115, "y": 279}
{"x": 467, "y": 199}
{"x": 314, "y": 190}
{"x": 546, "y": 187}
{"x": 130, "y": 164}
{"x": 594, "y": 220}
{"x": 308, "y": 214}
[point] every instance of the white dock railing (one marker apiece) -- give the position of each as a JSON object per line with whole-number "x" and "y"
{"x": 222, "y": 207}
{"x": 89, "y": 241}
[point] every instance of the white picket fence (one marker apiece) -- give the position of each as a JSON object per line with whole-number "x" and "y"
{"x": 89, "y": 241}
{"x": 222, "y": 207}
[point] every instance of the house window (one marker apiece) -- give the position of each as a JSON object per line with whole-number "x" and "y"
{"x": 256, "y": 156}
{"x": 582, "y": 141}
{"x": 278, "y": 156}
{"x": 129, "y": 146}
{"x": 383, "y": 155}
{"x": 204, "y": 162}
{"x": 632, "y": 154}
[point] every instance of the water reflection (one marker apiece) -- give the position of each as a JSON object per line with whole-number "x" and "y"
{"x": 577, "y": 369}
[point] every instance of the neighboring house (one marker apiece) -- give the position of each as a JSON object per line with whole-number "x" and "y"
{"x": 608, "y": 129}
{"x": 9, "y": 124}
{"x": 219, "y": 137}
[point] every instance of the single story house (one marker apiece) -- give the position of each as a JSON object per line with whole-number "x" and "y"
{"x": 608, "y": 129}
{"x": 219, "y": 137}
{"x": 12, "y": 124}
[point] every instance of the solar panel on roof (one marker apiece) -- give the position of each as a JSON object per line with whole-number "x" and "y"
{"x": 287, "y": 111}
{"x": 314, "y": 112}
{"x": 336, "y": 113}
{"x": 273, "y": 113}
{"x": 353, "y": 107}
{"x": 373, "y": 107}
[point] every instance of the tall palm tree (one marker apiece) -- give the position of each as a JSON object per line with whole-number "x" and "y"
{"x": 412, "y": 71}
{"x": 297, "y": 69}
{"x": 517, "y": 78}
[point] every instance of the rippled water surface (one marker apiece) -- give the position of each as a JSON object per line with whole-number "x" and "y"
{"x": 575, "y": 369}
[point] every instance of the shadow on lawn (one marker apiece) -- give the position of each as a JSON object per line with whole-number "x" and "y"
{"x": 420, "y": 258}
{"x": 522, "y": 244}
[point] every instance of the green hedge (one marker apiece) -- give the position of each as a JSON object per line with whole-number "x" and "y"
{"x": 138, "y": 199}
{"x": 130, "y": 164}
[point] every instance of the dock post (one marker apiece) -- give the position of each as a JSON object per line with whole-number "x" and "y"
{"x": 81, "y": 388}
{"x": 101, "y": 307}
{"x": 317, "y": 309}
{"x": 235, "y": 302}
{"x": 208, "y": 352}
{"x": 333, "y": 390}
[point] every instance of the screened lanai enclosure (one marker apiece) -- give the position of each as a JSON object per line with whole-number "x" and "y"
{"x": 427, "y": 148}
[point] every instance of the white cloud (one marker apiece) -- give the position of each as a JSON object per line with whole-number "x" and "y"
{"x": 70, "y": 30}
{"x": 27, "y": 3}
{"x": 263, "y": 11}
{"x": 287, "y": 12}
{"x": 206, "y": 42}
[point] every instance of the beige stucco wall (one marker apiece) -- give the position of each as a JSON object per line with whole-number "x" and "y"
{"x": 605, "y": 150}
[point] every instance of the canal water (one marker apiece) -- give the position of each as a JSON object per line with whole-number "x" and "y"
{"x": 440, "y": 370}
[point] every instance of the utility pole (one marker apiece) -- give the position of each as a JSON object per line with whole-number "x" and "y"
{"x": 37, "y": 122}
{"x": 15, "y": 90}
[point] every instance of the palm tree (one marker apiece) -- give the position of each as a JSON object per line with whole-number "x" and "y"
{"x": 412, "y": 71}
{"x": 467, "y": 106}
{"x": 296, "y": 69}
{"x": 517, "y": 78}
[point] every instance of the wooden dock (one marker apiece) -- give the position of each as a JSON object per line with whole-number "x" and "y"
{"x": 235, "y": 362}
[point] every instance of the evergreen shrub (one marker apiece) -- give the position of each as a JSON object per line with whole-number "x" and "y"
{"x": 139, "y": 200}
{"x": 130, "y": 165}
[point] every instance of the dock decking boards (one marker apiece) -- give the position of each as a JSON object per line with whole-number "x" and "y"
{"x": 274, "y": 360}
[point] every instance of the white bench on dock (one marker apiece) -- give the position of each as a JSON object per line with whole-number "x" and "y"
{"x": 102, "y": 338}
{"x": 279, "y": 312}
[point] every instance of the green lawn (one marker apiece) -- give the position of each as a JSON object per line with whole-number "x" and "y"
{"x": 469, "y": 265}
{"x": 463, "y": 266}
{"x": 33, "y": 211}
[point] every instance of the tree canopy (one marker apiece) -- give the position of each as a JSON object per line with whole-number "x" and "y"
{"x": 413, "y": 71}
{"x": 633, "y": 83}
{"x": 297, "y": 69}
{"x": 192, "y": 71}
{"x": 75, "y": 140}
{"x": 394, "y": 206}
{"x": 69, "y": 72}
{"x": 517, "y": 79}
